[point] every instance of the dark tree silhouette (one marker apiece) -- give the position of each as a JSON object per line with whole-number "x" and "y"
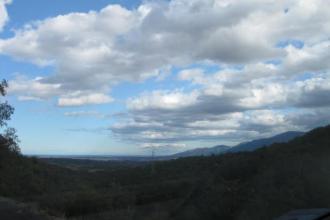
{"x": 9, "y": 136}
{"x": 5, "y": 109}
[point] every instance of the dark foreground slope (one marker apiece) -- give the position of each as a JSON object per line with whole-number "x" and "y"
{"x": 256, "y": 185}
{"x": 216, "y": 150}
{"x": 12, "y": 210}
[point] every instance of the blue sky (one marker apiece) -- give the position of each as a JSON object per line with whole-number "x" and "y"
{"x": 41, "y": 126}
{"x": 121, "y": 77}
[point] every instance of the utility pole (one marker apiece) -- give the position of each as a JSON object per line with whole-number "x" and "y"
{"x": 153, "y": 151}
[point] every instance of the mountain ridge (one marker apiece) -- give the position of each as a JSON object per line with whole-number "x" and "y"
{"x": 241, "y": 147}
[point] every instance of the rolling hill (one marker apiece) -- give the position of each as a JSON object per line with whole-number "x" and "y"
{"x": 258, "y": 185}
{"x": 242, "y": 147}
{"x": 255, "y": 144}
{"x": 219, "y": 149}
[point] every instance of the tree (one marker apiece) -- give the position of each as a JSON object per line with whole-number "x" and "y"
{"x": 9, "y": 137}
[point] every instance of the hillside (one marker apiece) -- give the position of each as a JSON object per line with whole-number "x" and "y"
{"x": 11, "y": 210}
{"x": 242, "y": 147}
{"x": 257, "y": 185}
{"x": 203, "y": 151}
{"x": 255, "y": 144}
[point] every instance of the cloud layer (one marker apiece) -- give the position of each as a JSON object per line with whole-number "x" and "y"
{"x": 3, "y": 13}
{"x": 228, "y": 106}
{"x": 272, "y": 59}
{"x": 95, "y": 50}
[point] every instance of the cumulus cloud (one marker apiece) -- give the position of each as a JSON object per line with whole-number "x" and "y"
{"x": 162, "y": 100}
{"x": 231, "y": 104}
{"x": 311, "y": 93}
{"x": 169, "y": 129}
{"x": 312, "y": 58}
{"x": 79, "y": 99}
{"x": 37, "y": 90}
{"x": 272, "y": 60}
{"x": 3, "y": 13}
{"x": 33, "y": 89}
{"x": 76, "y": 114}
{"x": 94, "y": 50}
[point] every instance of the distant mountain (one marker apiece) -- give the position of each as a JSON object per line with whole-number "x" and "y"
{"x": 255, "y": 144}
{"x": 203, "y": 151}
{"x": 242, "y": 147}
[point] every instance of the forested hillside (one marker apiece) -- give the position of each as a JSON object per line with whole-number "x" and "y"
{"x": 242, "y": 147}
{"x": 256, "y": 185}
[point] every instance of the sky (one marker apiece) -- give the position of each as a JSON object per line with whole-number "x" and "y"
{"x": 124, "y": 77}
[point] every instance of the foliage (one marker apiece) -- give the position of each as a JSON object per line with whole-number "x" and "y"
{"x": 5, "y": 109}
{"x": 9, "y": 138}
{"x": 258, "y": 185}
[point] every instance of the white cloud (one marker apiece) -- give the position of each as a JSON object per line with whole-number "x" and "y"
{"x": 264, "y": 117}
{"x": 170, "y": 128}
{"x": 312, "y": 58}
{"x": 95, "y": 50}
{"x": 79, "y": 99}
{"x": 33, "y": 89}
{"x": 28, "y": 98}
{"x": 196, "y": 76}
{"x": 264, "y": 93}
{"x": 162, "y": 100}
{"x": 37, "y": 90}
{"x": 85, "y": 114}
{"x": 311, "y": 93}
{"x": 228, "y": 105}
{"x": 3, "y": 13}
{"x": 260, "y": 81}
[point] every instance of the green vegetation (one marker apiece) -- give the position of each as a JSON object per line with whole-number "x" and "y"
{"x": 256, "y": 185}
